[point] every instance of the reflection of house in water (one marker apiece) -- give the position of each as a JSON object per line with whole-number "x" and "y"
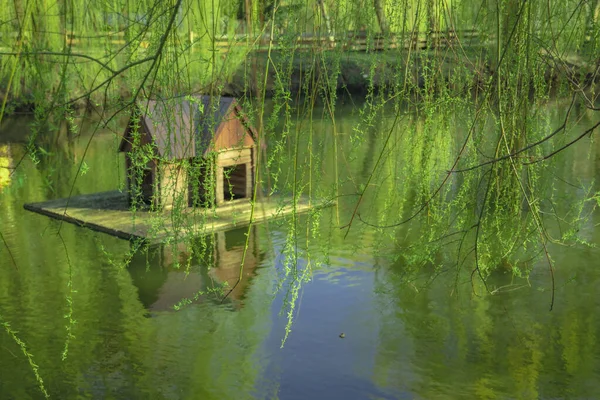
{"x": 166, "y": 274}
{"x": 228, "y": 258}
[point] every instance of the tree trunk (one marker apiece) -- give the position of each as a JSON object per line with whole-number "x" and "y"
{"x": 323, "y": 9}
{"x": 432, "y": 18}
{"x": 248, "y": 10}
{"x": 380, "y": 12}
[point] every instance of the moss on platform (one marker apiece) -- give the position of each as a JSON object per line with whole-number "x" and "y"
{"x": 109, "y": 212}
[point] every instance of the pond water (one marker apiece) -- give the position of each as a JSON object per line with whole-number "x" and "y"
{"x": 417, "y": 338}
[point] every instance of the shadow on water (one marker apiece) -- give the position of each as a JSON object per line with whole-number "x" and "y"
{"x": 169, "y": 277}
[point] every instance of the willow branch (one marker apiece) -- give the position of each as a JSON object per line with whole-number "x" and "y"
{"x": 572, "y": 142}
{"x": 561, "y": 128}
{"x": 60, "y": 54}
{"x": 12, "y": 258}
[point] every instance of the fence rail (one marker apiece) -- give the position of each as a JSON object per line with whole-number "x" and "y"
{"x": 358, "y": 41}
{"x": 347, "y": 41}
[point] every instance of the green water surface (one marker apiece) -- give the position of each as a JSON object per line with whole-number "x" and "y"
{"x": 407, "y": 336}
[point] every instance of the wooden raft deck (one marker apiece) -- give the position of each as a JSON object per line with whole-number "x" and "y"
{"x": 108, "y": 212}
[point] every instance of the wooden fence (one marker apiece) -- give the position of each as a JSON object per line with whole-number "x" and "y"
{"x": 359, "y": 41}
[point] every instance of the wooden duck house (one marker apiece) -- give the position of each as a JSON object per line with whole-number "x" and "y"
{"x": 189, "y": 151}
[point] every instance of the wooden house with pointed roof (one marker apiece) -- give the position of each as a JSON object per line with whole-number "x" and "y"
{"x": 189, "y": 151}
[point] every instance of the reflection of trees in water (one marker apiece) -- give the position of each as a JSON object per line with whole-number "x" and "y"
{"x": 11, "y": 141}
{"x": 6, "y": 164}
{"x": 57, "y": 152}
{"x": 54, "y": 149}
{"x": 443, "y": 341}
{"x": 168, "y": 275}
{"x": 468, "y": 346}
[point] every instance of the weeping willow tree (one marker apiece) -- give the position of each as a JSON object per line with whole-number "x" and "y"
{"x": 474, "y": 201}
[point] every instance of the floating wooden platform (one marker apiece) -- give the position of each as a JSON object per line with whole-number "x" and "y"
{"x": 109, "y": 212}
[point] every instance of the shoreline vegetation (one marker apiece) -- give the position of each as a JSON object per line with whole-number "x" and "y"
{"x": 357, "y": 73}
{"x": 118, "y": 51}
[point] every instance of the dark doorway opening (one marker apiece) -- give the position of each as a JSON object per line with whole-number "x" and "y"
{"x": 147, "y": 186}
{"x": 234, "y": 182}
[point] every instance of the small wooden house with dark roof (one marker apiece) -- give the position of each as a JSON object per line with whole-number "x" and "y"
{"x": 193, "y": 150}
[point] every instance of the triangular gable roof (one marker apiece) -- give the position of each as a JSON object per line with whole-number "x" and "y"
{"x": 214, "y": 112}
{"x": 186, "y": 126}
